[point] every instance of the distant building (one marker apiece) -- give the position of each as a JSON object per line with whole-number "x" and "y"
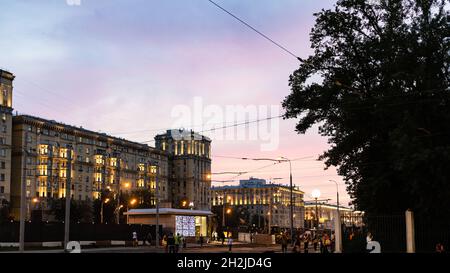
{"x": 326, "y": 215}
{"x": 263, "y": 200}
{"x": 189, "y": 168}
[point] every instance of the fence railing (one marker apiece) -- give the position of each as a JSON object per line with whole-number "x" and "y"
{"x": 54, "y": 232}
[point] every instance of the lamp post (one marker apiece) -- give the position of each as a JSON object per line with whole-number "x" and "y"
{"x": 291, "y": 191}
{"x": 23, "y": 197}
{"x": 337, "y": 196}
{"x": 155, "y": 163}
{"x": 101, "y": 209}
{"x": 316, "y": 194}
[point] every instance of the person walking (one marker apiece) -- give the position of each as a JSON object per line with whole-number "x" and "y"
{"x": 284, "y": 243}
{"x": 315, "y": 242}
{"x": 326, "y": 242}
{"x": 306, "y": 243}
{"x": 164, "y": 243}
{"x": 135, "y": 239}
{"x": 177, "y": 242}
{"x": 230, "y": 243}
{"x": 201, "y": 240}
{"x": 171, "y": 243}
{"x": 440, "y": 248}
{"x": 148, "y": 239}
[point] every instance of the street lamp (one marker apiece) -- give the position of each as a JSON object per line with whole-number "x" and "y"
{"x": 337, "y": 196}
{"x": 101, "y": 209}
{"x": 119, "y": 206}
{"x": 316, "y": 194}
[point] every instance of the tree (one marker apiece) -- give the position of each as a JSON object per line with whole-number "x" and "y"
{"x": 80, "y": 211}
{"x": 381, "y": 96}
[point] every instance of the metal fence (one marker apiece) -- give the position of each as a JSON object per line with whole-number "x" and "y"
{"x": 388, "y": 230}
{"x": 429, "y": 232}
{"x": 54, "y": 232}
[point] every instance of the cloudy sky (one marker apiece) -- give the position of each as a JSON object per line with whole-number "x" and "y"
{"x": 129, "y": 68}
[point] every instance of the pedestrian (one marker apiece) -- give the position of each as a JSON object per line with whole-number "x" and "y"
{"x": 326, "y": 242}
{"x": 230, "y": 243}
{"x": 315, "y": 242}
{"x": 297, "y": 241}
{"x": 184, "y": 242}
{"x": 149, "y": 239}
{"x": 164, "y": 243}
{"x": 306, "y": 243}
{"x": 284, "y": 243}
{"x": 222, "y": 237}
{"x": 135, "y": 239}
{"x": 439, "y": 248}
{"x": 177, "y": 242}
{"x": 171, "y": 243}
{"x": 333, "y": 242}
{"x": 201, "y": 240}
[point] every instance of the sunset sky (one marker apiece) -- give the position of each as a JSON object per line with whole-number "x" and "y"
{"x": 125, "y": 66}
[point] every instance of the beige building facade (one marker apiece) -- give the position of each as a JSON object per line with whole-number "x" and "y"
{"x": 6, "y": 86}
{"x": 45, "y": 153}
{"x": 266, "y": 200}
{"x": 98, "y": 162}
{"x": 189, "y": 168}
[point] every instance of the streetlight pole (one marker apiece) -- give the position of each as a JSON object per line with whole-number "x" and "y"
{"x": 68, "y": 197}
{"x": 291, "y": 214}
{"x": 118, "y": 191}
{"x": 23, "y": 201}
{"x": 337, "y": 196}
{"x": 316, "y": 195}
{"x": 157, "y": 203}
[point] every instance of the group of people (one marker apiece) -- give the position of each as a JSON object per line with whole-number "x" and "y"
{"x": 302, "y": 242}
{"x": 147, "y": 240}
{"x": 173, "y": 243}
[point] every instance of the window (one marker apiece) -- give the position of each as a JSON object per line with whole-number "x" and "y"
{"x": 2, "y": 177}
{"x": 4, "y": 129}
{"x": 3, "y": 152}
{"x": 30, "y": 128}
{"x": 2, "y": 140}
{"x": 2, "y": 189}
{"x": 3, "y": 165}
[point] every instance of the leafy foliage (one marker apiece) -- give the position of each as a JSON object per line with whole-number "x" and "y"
{"x": 382, "y": 99}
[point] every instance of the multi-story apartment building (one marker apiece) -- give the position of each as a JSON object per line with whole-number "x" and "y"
{"x": 6, "y": 81}
{"x": 189, "y": 168}
{"x": 44, "y": 150}
{"x": 44, "y": 154}
{"x": 263, "y": 200}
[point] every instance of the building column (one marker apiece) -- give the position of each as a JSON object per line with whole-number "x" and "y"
{"x": 410, "y": 235}
{"x": 337, "y": 232}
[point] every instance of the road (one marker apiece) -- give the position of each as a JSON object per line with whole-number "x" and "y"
{"x": 217, "y": 248}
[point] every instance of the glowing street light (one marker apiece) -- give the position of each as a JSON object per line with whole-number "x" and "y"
{"x": 316, "y": 194}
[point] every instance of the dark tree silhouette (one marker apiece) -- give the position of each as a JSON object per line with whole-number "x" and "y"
{"x": 381, "y": 96}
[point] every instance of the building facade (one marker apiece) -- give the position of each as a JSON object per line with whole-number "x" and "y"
{"x": 323, "y": 215}
{"x": 45, "y": 154}
{"x": 6, "y": 86}
{"x": 263, "y": 200}
{"x": 44, "y": 150}
{"x": 189, "y": 171}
